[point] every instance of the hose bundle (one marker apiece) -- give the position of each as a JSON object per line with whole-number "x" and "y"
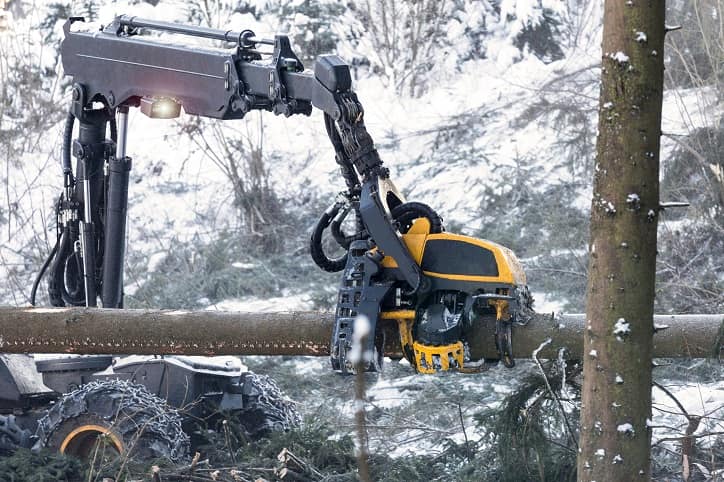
{"x": 403, "y": 215}
{"x": 65, "y": 285}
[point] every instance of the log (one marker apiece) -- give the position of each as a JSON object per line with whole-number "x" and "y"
{"x": 164, "y": 332}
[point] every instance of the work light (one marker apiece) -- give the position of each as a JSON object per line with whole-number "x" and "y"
{"x": 160, "y": 108}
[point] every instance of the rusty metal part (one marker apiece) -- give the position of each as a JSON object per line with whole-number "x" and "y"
{"x": 144, "y": 332}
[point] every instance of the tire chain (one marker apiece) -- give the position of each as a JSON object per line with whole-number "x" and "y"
{"x": 263, "y": 395}
{"x": 135, "y": 405}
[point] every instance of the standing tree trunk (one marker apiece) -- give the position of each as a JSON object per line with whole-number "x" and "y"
{"x": 616, "y": 404}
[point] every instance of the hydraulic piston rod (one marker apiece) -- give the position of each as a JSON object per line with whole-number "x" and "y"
{"x": 119, "y": 168}
{"x": 244, "y": 38}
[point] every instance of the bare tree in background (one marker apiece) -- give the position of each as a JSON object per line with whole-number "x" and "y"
{"x": 239, "y": 155}
{"x": 404, "y": 35}
{"x": 238, "y": 150}
{"x": 616, "y": 400}
{"x": 30, "y": 89}
{"x": 688, "y": 279}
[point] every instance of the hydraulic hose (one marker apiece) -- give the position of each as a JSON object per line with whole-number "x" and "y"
{"x": 345, "y": 164}
{"x": 336, "y": 229}
{"x": 56, "y": 283}
{"x": 63, "y": 250}
{"x": 55, "y": 290}
{"x": 64, "y": 269}
{"x": 331, "y": 265}
{"x": 406, "y": 213}
{"x": 43, "y": 268}
{"x": 66, "y": 146}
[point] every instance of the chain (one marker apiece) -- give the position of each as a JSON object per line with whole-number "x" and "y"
{"x": 134, "y": 403}
{"x": 280, "y": 412}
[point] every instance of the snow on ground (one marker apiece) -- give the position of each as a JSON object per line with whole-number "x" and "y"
{"x": 705, "y": 400}
{"x": 297, "y": 302}
{"x": 545, "y": 304}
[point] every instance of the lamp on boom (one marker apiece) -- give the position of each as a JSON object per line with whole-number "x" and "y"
{"x": 160, "y": 108}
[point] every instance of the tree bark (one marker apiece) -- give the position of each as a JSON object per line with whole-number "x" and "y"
{"x": 166, "y": 332}
{"x": 618, "y": 340}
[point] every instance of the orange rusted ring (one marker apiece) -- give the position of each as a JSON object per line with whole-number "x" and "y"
{"x": 77, "y": 437}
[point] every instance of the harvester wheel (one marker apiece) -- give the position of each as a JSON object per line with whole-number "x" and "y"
{"x": 266, "y": 408}
{"x": 114, "y": 418}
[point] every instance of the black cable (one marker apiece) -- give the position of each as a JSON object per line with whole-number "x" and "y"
{"x": 336, "y": 229}
{"x": 405, "y": 214}
{"x": 331, "y": 265}
{"x": 68, "y": 173}
{"x": 114, "y": 128}
{"x": 66, "y": 146}
{"x": 43, "y": 268}
{"x": 345, "y": 164}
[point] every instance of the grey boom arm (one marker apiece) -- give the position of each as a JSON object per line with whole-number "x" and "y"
{"x": 118, "y": 67}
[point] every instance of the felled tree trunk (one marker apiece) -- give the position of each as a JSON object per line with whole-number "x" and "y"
{"x": 165, "y": 332}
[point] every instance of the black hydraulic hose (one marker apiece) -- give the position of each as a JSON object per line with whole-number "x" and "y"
{"x": 406, "y": 213}
{"x": 348, "y": 173}
{"x": 43, "y": 268}
{"x": 66, "y": 146}
{"x": 331, "y": 265}
{"x": 55, "y": 292}
{"x": 345, "y": 164}
{"x": 56, "y": 283}
{"x": 336, "y": 229}
{"x": 66, "y": 273}
{"x": 114, "y": 129}
{"x": 74, "y": 273}
{"x": 60, "y": 255}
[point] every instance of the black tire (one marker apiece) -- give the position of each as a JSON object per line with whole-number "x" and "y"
{"x": 12, "y": 437}
{"x": 136, "y": 423}
{"x": 266, "y": 408}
